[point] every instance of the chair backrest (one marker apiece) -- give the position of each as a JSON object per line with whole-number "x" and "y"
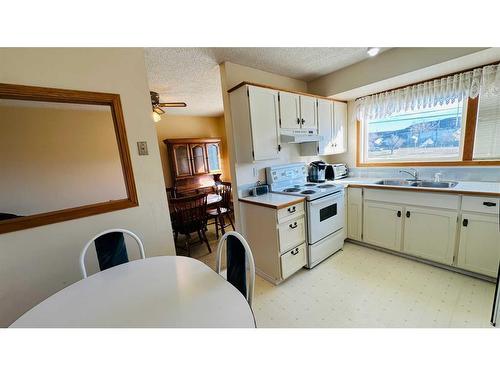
{"x": 224, "y": 190}
{"x": 107, "y": 232}
{"x": 239, "y": 256}
{"x": 171, "y": 192}
{"x": 189, "y": 213}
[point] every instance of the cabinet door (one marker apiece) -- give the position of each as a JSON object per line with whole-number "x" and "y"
{"x": 382, "y": 225}
{"x": 308, "y": 112}
{"x": 354, "y": 213}
{"x": 430, "y": 233}
{"x": 289, "y": 105}
{"x": 479, "y": 249}
{"x": 339, "y": 127}
{"x": 264, "y": 122}
{"x": 213, "y": 157}
{"x": 198, "y": 158}
{"x": 181, "y": 160}
{"x": 325, "y": 126}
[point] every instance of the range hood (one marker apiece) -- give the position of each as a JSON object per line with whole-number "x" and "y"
{"x": 300, "y": 135}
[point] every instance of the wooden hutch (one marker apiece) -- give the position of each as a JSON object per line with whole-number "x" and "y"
{"x": 194, "y": 162}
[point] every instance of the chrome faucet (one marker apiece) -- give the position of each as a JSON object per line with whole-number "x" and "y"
{"x": 414, "y": 174}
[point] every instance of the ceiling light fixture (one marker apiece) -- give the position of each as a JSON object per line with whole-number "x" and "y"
{"x": 373, "y": 51}
{"x": 156, "y": 117}
{"x": 157, "y": 106}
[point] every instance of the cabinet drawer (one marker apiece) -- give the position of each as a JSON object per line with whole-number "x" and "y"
{"x": 487, "y": 205}
{"x": 291, "y": 233}
{"x": 293, "y": 261}
{"x": 287, "y": 212}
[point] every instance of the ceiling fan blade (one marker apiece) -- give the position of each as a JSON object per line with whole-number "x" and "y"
{"x": 158, "y": 110}
{"x": 173, "y": 104}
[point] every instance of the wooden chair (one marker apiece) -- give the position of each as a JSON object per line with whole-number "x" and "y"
{"x": 223, "y": 209}
{"x": 190, "y": 216}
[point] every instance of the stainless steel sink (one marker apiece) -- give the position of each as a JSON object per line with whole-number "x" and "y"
{"x": 418, "y": 183}
{"x": 440, "y": 185}
{"x": 395, "y": 182}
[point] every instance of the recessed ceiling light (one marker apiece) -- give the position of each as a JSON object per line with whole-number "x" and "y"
{"x": 373, "y": 51}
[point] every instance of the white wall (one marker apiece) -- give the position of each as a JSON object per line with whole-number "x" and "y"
{"x": 36, "y": 263}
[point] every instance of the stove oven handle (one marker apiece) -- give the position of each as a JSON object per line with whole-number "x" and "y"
{"x": 335, "y": 199}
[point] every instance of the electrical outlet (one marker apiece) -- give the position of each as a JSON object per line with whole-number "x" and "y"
{"x": 143, "y": 148}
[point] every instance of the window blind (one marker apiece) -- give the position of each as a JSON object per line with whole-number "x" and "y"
{"x": 487, "y": 142}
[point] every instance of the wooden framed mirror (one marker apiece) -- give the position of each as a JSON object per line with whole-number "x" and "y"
{"x": 63, "y": 155}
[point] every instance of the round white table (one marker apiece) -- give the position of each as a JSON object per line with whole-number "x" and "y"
{"x": 166, "y": 291}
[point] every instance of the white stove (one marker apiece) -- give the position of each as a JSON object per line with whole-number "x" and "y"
{"x": 292, "y": 179}
{"x": 324, "y": 209}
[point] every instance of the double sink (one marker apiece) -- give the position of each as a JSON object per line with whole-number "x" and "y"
{"x": 418, "y": 183}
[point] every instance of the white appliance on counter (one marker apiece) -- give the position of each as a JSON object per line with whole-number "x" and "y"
{"x": 324, "y": 208}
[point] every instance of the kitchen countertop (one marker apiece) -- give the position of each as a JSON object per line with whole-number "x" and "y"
{"x": 273, "y": 200}
{"x": 462, "y": 187}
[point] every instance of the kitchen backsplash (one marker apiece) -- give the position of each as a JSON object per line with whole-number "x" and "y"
{"x": 487, "y": 174}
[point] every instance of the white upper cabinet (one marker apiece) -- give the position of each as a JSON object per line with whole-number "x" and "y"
{"x": 264, "y": 119}
{"x": 255, "y": 118}
{"x": 289, "y": 110}
{"x": 325, "y": 126}
{"x": 297, "y": 111}
{"x": 339, "y": 139}
{"x": 308, "y": 112}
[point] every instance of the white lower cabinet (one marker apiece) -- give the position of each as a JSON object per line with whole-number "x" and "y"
{"x": 479, "y": 249}
{"x": 382, "y": 225}
{"x": 277, "y": 237}
{"x": 426, "y": 225}
{"x": 430, "y": 233}
{"x": 293, "y": 260}
{"x": 354, "y": 213}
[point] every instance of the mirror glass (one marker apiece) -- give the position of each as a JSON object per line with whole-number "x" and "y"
{"x": 55, "y": 156}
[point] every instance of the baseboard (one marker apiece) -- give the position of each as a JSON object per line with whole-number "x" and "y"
{"x": 425, "y": 261}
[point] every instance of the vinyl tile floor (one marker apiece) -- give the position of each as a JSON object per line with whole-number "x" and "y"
{"x": 359, "y": 287}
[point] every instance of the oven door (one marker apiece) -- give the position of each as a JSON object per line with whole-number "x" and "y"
{"x": 325, "y": 216}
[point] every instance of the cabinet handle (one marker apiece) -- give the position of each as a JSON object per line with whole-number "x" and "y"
{"x": 279, "y": 148}
{"x": 295, "y": 252}
{"x": 291, "y": 209}
{"x": 302, "y": 121}
{"x": 408, "y": 214}
{"x": 465, "y": 222}
{"x": 293, "y": 226}
{"x": 489, "y": 204}
{"x": 298, "y": 121}
{"x": 399, "y": 213}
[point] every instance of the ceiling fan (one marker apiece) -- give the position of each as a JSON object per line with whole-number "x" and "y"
{"x": 158, "y": 107}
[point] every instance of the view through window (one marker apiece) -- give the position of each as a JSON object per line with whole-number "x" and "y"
{"x": 426, "y": 134}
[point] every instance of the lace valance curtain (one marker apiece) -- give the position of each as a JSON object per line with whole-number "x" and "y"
{"x": 457, "y": 87}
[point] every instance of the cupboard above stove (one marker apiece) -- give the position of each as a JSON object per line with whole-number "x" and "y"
{"x": 260, "y": 113}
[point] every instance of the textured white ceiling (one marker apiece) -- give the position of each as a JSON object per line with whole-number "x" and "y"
{"x": 192, "y": 74}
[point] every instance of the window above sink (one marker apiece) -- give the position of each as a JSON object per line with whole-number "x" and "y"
{"x": 452, "y": 120}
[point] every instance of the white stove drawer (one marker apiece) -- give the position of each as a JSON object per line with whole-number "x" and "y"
{"x": 292, "y": 233}
{"x": 293, "y": 261}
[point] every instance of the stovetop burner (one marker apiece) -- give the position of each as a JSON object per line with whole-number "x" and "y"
{"x": 308, "y": 192}
{"x": 291, "y": 190}
{"x": 309, "y": 184}
{"x": 326, "y": 186}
